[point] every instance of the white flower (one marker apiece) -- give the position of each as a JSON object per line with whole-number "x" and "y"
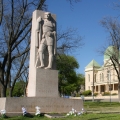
{"x": 73, "y": 110}
{"x": 79, "y": 113}
{"x": 3, "y": 112}
{"x": 68, "y": 114}
{"x": 82, "y": 111}
{"x": 24, "y": 111}
{"x": 37, "y": 110}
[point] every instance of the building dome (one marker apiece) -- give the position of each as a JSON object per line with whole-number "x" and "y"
{"x": 108, "y": 52}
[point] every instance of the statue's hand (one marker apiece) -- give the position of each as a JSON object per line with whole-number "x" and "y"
{"x": 54, "y": 32}
{"x": 39, "y": 19}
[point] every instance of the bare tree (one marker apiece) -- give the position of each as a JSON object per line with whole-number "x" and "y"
{"x": 68, "y": 40}
{"x": 113, "y": 27}
{"x": 14, "y": 38}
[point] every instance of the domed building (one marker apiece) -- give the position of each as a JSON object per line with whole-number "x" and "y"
{"x": 102, "y": 78}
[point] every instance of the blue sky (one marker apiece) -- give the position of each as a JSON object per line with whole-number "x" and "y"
{"x": 85, "y": 16}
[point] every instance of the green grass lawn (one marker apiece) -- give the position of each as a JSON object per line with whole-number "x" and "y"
{"x": 90, "y": 116}
{"x": 105, "y": 111}
{"x": 102, "y": 107}
{"x": 101, "y": 104}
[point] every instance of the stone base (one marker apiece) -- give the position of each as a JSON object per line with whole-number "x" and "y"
{"x": 45, "y": 84}
{"x": 48, "y": 105}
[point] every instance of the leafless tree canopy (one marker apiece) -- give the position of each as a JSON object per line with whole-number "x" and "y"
{"x": 68, "y": 40}
{"x": 72, "y": 1}
{"x": 113, "y": 28}
{"x": 15, "y": 19}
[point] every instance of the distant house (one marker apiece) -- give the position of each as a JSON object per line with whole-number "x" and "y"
{"x": 103, "y": 78}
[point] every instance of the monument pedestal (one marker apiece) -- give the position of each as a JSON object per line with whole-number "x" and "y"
{"x": 13, "y": 106}
{"x": 45, "y": 84}
{"x": 42, "y": 92}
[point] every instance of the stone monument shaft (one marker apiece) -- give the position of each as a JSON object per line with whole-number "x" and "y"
{"x": 43, "y": 80}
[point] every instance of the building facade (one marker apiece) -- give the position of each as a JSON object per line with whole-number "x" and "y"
{"x": 100, "y": 79}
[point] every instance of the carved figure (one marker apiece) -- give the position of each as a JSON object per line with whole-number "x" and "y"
{"x": 46, "y": 37}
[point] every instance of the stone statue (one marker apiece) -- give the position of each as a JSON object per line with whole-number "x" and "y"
{"x": 46, "y": 38}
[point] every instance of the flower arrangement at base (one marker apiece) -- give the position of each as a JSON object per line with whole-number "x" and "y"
{"x": 37, "y": 111}
{"x": 24, "y": 111}
{"x": 75, "y": 113}
{"x": 3, "y": 113}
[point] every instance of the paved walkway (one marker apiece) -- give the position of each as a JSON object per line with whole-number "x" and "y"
{"x": 112, "y": 98}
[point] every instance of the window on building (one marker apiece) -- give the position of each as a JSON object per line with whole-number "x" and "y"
{"x": 115, "y": 86}
{"x": 102, "y": 77}
{"x": 111, "y": 87}
{"x": 108, "y": 76}
{"x": 89, "y": 77}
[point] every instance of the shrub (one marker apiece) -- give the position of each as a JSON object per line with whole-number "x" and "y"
{"x": 87, "y": 93}
{"x": 95, "y": 94}
{"x": 77, "y": 95}
{"x": 114, "y": 93}
{"x": 106, "y": 93}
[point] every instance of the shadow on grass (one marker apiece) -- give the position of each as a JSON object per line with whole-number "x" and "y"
{"x": 29, "y": 115}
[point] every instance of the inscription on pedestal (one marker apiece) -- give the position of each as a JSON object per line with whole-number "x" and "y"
{"x": 46, "y": 83}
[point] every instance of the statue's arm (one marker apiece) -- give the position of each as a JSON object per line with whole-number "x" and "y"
{"x": 55, "y": 42}
{"x": 38, "y": 31}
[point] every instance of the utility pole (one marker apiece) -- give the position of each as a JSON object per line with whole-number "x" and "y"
{"x": 109, "y": 82}
{"x": 93, "y": 84}
{"x": 110, "y": 87}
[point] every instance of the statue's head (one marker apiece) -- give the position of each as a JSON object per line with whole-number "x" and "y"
{"x": 47, "y": 15}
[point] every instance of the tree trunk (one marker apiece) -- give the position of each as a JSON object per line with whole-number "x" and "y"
{"x": 10, "y": 92}
{"x": 119, "y": 91}
{"x": 3, "y": 91}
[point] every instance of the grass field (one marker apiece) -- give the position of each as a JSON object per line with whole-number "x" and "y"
{"x": 94, "y": 111}
{"x": 90, "y": 116}
{"x": 102, "y": 107}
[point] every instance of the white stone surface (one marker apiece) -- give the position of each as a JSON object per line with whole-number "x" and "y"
{"x": 46, "y": 84}
{"x": 2, "y": 103}
{"x": 46, "y": 39}
{"x": 31, "y": 89}
{"x": 47, "y": 104}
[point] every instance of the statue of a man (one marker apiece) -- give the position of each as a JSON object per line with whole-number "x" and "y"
{"x": 46, "y": 37}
